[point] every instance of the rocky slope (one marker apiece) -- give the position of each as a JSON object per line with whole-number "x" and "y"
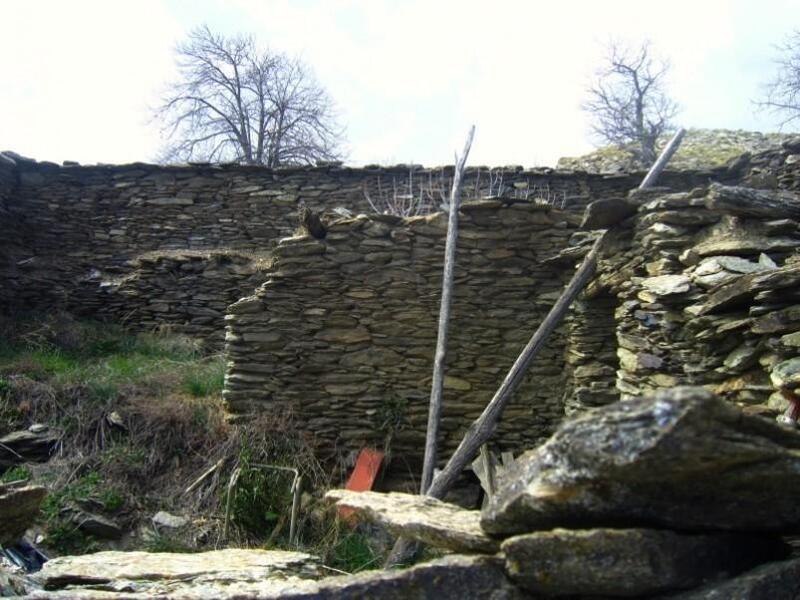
{"x": 700, "y": 149}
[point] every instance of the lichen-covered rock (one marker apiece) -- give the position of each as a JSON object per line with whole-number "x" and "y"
{"x": 629, "y": 562}
{"x": 420, "y": 517}
{"x": 682, "y": 459}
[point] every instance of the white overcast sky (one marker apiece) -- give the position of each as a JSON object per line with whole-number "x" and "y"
{"x": 409, "y": 77}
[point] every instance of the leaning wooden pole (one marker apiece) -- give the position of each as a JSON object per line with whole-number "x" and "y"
{"x": 661, "y": 162}
{"x": 437, "y": 384}
{"x": 482, "y": 428}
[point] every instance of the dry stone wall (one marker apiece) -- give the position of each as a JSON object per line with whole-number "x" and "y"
{"x": 12, "y": 238}
{"x": 186, "y": 291}
{"x": 76, "y": 226}
{"x": 707, "y": 294}
{"x": 343, "y": 331}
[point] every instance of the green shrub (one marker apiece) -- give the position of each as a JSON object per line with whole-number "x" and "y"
{"x": 18, "y": 473}
{"x": 351, "y": 553}
{"x": 262, "y": 497}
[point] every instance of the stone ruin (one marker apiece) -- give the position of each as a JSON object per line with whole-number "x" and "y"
{"x": 697, "y": 286}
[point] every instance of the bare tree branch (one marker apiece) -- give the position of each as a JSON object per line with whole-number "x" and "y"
{"x": 628, "y": 102}
{"x": 782, "y": 92}
{"x": 235, "y": 102}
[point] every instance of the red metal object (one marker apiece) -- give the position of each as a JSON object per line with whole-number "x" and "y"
{"x": 368, "y": 465}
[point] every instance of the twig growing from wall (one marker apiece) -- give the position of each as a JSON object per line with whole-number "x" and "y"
{"x": 437, "y": 384}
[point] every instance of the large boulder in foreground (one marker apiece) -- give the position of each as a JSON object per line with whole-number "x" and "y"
{"x": 630, "y": 562}
{"x": 681, "y": 459}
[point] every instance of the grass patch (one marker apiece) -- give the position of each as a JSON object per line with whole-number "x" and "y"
{"x": 206, "y": 381}
{"x": 18, "y": 473}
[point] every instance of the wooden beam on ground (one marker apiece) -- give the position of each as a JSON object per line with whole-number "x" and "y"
{"x": 437, "y": 383}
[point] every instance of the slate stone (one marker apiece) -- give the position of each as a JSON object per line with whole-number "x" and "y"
{"x": 233, "y": 575}
{"x": 19, "y": 506}
{"x": 774, "y": 581}
{"x": 219, "y": 573}
{"x": 681, "y": 458}
{"x": 422, "y": 518}
{"x": 665, "y": 285}
{"x": 604, "y": 213}
{"x": 630, "y": 562}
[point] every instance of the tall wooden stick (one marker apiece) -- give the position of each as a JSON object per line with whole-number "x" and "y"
{"x": 437, "y": 383}
{"x": 662, "y": 160}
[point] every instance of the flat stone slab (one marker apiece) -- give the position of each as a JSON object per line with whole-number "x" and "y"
{"x": 630, "y": 562}
{"x": 209, "y": 573}
{"x": 774, "y": 581}
{"x": 458, "y": 577}
{"x": 681, "y": 459}
{"x": 420, "y": 517}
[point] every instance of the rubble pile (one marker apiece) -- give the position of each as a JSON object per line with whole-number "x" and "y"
{"x": 678, "y": 493}
{"x": 706, "y": 287}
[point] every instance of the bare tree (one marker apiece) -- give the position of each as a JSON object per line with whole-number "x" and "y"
{"x": 782, "y": 92}
{"x": 234, "y": 101}
{"x": 627, "y": 100}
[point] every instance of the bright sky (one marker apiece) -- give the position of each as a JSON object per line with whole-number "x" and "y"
{"x": 408, "y": 76}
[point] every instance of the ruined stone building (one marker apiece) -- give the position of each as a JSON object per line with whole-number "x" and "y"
{"x": 340, "y": 331}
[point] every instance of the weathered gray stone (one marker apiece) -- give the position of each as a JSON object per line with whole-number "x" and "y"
{"x": 665, "y": 285}
{"x": 170, "y": 521}
{"x": 774, "y": 581}
{"x": 96, "y": 525}
{"x": 663, "y": 461}
{"x": 20, "y": 446}
{"x": 629, "y": 562}
{"x": 601, "y": 214}
{"x": 786, "y": 374}
{"x": 420, "y": 517}
{"x": 19, "y": 506}
{"x": 219, "y": 573}
{"x": 453, "y": 577}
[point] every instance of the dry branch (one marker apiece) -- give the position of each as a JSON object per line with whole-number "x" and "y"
{"x": 437, "y": 383}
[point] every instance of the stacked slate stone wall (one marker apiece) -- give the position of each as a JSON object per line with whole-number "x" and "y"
{"x": 12, "y": 236}
{"x": 775, "y": 169}
{"x": 343, "y": 331}
{"x": 87, "y": 223}
{"x": 707, "y": 294}
{"x": 185, "y": 291}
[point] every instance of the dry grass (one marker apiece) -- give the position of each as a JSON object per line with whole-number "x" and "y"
{"x": 140, "y": 419}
